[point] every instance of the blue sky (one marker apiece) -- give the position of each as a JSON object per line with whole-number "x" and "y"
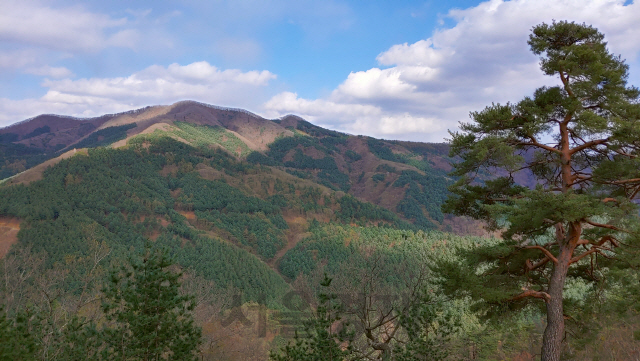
{"x": 390, "y": 69}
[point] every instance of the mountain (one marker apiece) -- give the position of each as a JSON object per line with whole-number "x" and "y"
{"x": 406, "y": 178}
{"x": 259, "y": 208}
{"x": 239, "y": 198}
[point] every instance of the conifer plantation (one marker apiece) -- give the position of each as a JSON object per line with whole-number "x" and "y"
{"x": 194, "y": 232}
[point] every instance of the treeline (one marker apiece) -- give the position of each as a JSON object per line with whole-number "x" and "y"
{"x": 104, "y": 137}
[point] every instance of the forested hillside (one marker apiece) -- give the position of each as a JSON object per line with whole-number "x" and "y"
{"x": 255, "y": 213}
{"x": 408, "y": 179}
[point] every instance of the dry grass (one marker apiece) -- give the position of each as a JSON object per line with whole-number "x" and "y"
{"x": 35, "y": 173}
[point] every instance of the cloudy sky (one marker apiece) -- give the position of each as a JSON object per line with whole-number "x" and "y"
{"x": 390, "y": 69}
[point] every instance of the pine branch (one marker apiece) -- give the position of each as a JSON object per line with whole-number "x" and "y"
{"x": 531, "y": 293}
{"x": 588, "y": 145}
{"x": 545, "y": 251}
{"x": 534, "y": 143}
{"x": 607, "y": 226}
{"x": 532, "y": 267}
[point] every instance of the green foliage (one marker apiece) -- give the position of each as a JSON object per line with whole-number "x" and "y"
{"x": 148, "y": 318}
{"x": 247, "y": 219}
{"x": 386, "y": 168}
{"x": 429, "y": 327}
{"x": 582, "y": 206}
{"x": 352, "y": 156}
{"x": 9, "y": 137}
{"x": 354, "y": 210}
{"x": 205, "y": 135}
{"x": 84, "y": 193}
{"x": 118, "y": 196}
{"x": 334, "y": 245}
{"x": 228, "y": 266}
{"x": 383, "y": 151}
{"x": 378, "y": 177}
{"x": 423, "y": 191}
{"x": 17, "y": 338}
{"x": 256, "y": 157}
{"x": 15, "y": 158}
{"x": 317, "y": 131}
{"x": 321, "y": 341}
{"x": 327, "y": 174}
{"x": 104, "y": 137}
{"x": 299, "y": 174}
{"x": 38, "y": 131}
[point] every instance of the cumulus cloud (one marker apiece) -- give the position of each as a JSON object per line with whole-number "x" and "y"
{"x": 423, "y": 89}
{"x": 154, "y": 85}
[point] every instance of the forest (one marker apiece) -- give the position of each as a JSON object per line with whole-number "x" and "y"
{"x": 186, "y": 244}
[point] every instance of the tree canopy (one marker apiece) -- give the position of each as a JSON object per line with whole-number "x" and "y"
{"x": 580, "y": 141}
{"x": 151, "y": 320}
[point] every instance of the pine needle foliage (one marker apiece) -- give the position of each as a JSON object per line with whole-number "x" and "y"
{"x": 580, "y": 141}
{"x": 148, "y": 317}
{"x": 325, "y": 338}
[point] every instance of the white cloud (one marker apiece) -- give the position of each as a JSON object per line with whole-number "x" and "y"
{"x": 18, "y": 58}
{"x": 69, "y": 29}
{"x": 52, "y": 72}
{"x": 151, "y": 86}
{"x": 431, "y": 85}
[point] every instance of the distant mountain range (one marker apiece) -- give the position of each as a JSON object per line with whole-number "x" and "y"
{"x": 407, "y": 178}
{"x": 258, "y": 207}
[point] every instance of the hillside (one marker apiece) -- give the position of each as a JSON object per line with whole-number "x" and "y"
{"x": 204, "y": 176}
{"x": 406, "y": 178}
{"x": 248, "y": 207}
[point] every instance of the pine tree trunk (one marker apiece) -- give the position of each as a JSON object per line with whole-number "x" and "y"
{"x": 554, "y": 332}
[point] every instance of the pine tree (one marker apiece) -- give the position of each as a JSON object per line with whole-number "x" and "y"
{"x": 148, "y": 318}
{"x": 580, "y": 142}
{"x": 322, "y": 342}
{"x": 17, "y": 339}
{"x": 428, "y": 329}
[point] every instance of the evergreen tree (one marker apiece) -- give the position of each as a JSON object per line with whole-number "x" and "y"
{"x": 322, "y": 342}
{"x": 17, "y": 339}
{"x": 149, "y": 319}
{"x": 580, "y": 141}
{"x": 428, "y": 330}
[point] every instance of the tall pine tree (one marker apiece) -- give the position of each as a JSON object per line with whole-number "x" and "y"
{"x": 580, "y": 141}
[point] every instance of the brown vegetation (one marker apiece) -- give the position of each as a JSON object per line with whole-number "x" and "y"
{"x": 35, "y": 173}
{"x": 9, "y": 228}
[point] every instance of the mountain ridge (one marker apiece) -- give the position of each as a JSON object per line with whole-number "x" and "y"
{"x": 407, "y": 178}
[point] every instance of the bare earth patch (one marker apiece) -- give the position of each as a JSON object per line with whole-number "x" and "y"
{"x": 9, "y": 228}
